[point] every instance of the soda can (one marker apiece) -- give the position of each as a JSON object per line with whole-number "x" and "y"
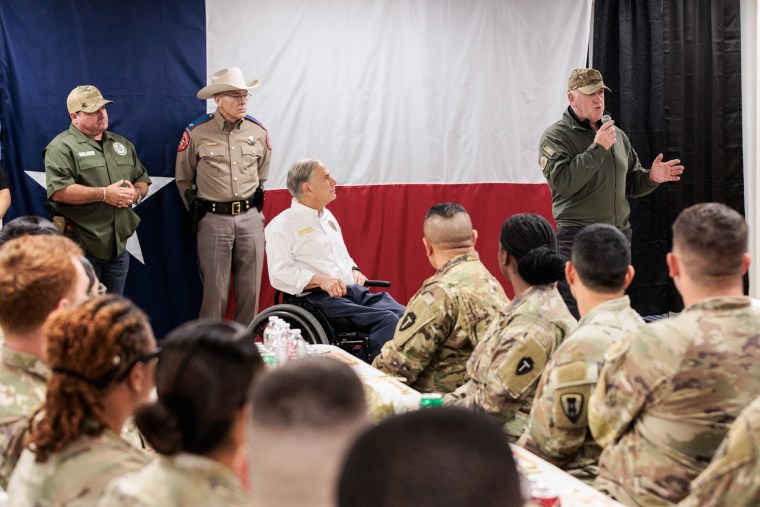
{"x": 429, "y": 400}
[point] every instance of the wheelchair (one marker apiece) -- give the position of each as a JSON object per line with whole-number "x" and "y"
{"x": 315, "y": 326}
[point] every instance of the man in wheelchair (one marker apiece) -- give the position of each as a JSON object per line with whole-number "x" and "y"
{"x": 305, "y": 250}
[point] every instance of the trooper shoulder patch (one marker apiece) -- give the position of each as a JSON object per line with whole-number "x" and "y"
{"x": 407, "y": 321}
{"x": 184, "y": 142}
{"x": 548, "y": 149}
{"x": 572, "y": 405}
{"x": 544, "y": 161}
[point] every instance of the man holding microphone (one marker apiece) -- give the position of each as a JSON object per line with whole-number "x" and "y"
{"x": 591, "y": 167}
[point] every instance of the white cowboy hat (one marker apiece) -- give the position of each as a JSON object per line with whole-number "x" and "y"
{"x": 226, "y": 80}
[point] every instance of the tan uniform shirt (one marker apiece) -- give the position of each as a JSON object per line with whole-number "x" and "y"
{"x": 226, "y": 161}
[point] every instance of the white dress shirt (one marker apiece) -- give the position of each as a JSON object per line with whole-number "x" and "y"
{"x": 303, "y": 242}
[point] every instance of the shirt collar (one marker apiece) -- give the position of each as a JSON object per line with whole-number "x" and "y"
{"x": 223, "y": 123}
{"x": 583, "y": 124}
{"x": 305, "y": 210}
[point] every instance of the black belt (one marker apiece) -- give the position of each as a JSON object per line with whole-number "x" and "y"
{"x": 229, "y": 208}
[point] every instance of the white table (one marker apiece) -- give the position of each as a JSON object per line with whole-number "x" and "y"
{"x": 385, "y": 395}
{"x": 572, "y": 492}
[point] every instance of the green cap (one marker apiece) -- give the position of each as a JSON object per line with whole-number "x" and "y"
{"x": 588, "y": 81}
{"x": 86, "y": 98}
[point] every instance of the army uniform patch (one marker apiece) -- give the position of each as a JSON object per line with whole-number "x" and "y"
{"x": 408, "y": 321}
{"x": 524, "y": 366}
{"x": 544, "y": 161}
{"x": 184, "y": 142}
{"x": 572, "y": 406}
{"x": 548, "y": 149}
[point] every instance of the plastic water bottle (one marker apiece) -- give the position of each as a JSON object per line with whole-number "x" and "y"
{"x": 267, "y": 334}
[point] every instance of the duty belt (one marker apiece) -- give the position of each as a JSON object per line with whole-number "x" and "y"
{"x": 229, "y": 208}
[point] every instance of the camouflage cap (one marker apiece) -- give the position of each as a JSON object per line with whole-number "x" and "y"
{"x": 85, "y": 98}
{"x": 588, "y": 81}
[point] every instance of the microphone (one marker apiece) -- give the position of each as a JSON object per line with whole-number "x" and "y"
{"x": 605, "y": 119}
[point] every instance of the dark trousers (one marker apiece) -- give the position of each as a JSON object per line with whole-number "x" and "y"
{"x": 378, "y": 313}
{"x": 112, "y": 273}
{"x": 565, "y": 236}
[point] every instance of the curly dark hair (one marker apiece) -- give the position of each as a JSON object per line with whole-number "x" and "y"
{"x": 90, "y": 347}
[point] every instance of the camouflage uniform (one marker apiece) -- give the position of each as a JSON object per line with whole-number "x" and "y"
{"x": 558, "y": 426}
{"x": 184, "y": 479}
{"x": 667, "y": 394}
{"x": 733, "y": 477}
{"x": 442, "y": 325}
{"x": 22, "y": 391}
{"x": 76, "y": 476}
{"x": 508, "y": 361}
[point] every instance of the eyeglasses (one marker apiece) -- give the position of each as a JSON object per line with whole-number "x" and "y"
{"x": 143, "y": 359}
{"x": 243, "y": 96}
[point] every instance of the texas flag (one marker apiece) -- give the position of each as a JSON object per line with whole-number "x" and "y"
{"x": 408, "y": 103}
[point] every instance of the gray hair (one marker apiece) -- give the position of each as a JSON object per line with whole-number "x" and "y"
{"x": 298, "y": 174}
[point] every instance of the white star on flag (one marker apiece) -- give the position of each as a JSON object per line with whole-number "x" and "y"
{"x": 133, "y": 243}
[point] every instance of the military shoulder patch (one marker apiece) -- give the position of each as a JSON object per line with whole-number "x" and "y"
{"x": 407, "y": 321}
{"x": 548, "y": 150}
{"x": 184, "y": 142}
{"x": 522, "y": 366}
{"x": 572, "y": 405}
{"x": 544, "y": 161}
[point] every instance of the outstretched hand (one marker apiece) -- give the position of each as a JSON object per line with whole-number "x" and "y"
{"x": 662, "y": 172}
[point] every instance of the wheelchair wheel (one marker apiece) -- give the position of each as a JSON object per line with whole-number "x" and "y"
{"x": 294, "y": 315}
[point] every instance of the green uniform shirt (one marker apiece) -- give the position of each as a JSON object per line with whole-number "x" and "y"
{"x": 73, "y": 157}
{"x": 558, "y": 426}
{"x": 667, "y": 394}
{"x": 76, "y": 476}
{"x": 589, "y": 184}
{"x": 733, "y": 477}
{"x": 442, "y": 324}
{"x": 181, "y": 480}
{"x": 22, "y": 391}
{"x": 505, "y": 366}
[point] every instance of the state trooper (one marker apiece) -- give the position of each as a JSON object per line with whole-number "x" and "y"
{"x": 451, "y": 312}
{"x": 222, "y": 163}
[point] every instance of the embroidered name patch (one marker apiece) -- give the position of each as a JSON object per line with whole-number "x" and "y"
{"x": 86, "y": 153}
{"x": 307, "y": 230}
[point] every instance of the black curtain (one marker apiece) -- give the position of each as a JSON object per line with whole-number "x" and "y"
{"x": 674, "y": 68}
{"x": 703, "y": 105}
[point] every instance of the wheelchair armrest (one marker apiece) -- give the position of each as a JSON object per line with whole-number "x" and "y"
{"x": 377, "y": 283}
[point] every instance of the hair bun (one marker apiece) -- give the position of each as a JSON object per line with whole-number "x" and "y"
{"x": 540, "y": 266}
